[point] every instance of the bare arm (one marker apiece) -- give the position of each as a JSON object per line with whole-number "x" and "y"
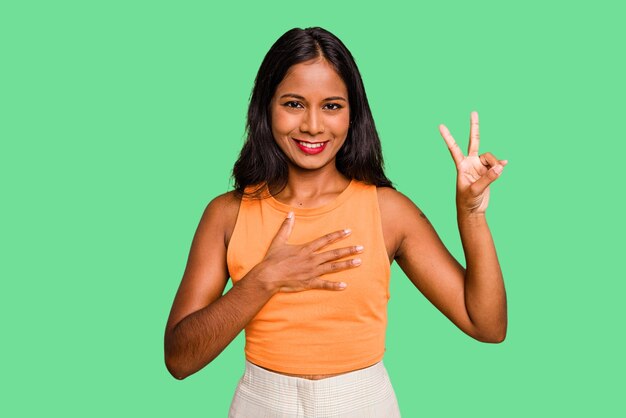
{"x": 485, "y": 297}
{"x": 474, "y": 299}
{"x": 202, "y": 322}
{"x": 192, "y": 331}
{"x": 201, "y": 336}
{"x": 467, "y": 297}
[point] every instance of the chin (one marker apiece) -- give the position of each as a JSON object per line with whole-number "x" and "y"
{"x": 309, "y": 165}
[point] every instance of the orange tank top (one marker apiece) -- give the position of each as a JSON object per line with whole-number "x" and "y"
{"x": 317, "y": 331}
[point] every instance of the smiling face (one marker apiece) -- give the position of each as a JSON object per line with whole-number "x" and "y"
{"x": 310, "y": 114}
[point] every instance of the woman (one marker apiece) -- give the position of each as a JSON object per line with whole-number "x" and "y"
{"x": 308, "y": 237}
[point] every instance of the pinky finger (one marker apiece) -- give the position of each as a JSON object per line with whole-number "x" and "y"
{"x": 328, "y": 285}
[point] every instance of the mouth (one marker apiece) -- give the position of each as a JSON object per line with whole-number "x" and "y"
{"x": 310, "y": 148}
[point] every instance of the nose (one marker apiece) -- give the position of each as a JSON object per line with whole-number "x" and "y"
{"x": 312, "y": 123}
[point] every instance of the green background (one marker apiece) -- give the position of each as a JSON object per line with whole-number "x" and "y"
{"x": 120, "y": 121}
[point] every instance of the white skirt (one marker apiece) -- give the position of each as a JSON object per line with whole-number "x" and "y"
{"x": 358, "y": 394}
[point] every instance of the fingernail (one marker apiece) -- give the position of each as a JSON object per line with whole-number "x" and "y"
{"x": 290, "y": 215}
{"x": 497, "y": 169}
{"x": 356, "y": 261}
{"x": 359, "y": 248}
{"x": 347, "y": 231}
{"x": 343, "y": 285}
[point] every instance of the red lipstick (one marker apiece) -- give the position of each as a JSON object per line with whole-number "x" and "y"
{"x": 311, "y": 148}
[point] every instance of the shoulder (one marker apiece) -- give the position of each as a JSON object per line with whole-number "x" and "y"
{"x": 228, "y": 201}
{"x": 398, "y": 216}
{"x": 220, "y": 214}
{"x": 393, "y": 203}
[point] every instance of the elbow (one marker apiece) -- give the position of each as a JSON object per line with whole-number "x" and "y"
{"x": 174, "y": 362}
{"x": 493, "y": 332}
{"x": 181, "y": 361}
{"x": 174, "y": 369}
{"x": 493, "y": 338}
{"x": 178, "y": 369}
{"x": 180, "y": 366}
{"x": 171, "y": 363}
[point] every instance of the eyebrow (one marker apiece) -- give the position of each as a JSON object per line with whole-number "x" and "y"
{"x": 297, "y": 96}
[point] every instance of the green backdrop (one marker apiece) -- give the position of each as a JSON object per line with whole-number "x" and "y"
{"x": 120, "y": 121}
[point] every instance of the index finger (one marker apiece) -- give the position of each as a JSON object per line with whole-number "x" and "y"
{"x": 328, "y": 239}
{"x": 474, "y": 140}
{"x": 455, "y": 150}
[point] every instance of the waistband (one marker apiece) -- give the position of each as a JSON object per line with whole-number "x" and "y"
{"x": 361, "y": 377}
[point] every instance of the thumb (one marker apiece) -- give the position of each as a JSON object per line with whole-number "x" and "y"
{"x": 285, "y": 230}
{"x": 486, "y": 179}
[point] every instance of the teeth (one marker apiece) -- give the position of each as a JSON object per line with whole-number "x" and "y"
{"x": 308, "y": 145}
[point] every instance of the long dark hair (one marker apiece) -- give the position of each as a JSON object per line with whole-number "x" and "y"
{"x": 261, "y": 161}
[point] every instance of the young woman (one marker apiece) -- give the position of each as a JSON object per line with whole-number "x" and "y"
{"x": 308, "y": 236}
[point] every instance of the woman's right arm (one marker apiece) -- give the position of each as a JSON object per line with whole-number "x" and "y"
{"x": 202, "y": 321}
{"x": 192, "y": 335}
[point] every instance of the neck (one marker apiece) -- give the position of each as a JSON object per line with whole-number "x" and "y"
{"x": 312, "y": 187}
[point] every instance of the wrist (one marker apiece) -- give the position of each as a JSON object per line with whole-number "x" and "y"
{"x": 259, "y": 275}
{"x": 471, "y": 218}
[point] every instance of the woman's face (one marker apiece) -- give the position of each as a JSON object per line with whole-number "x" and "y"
{"x": 310, "y": 114}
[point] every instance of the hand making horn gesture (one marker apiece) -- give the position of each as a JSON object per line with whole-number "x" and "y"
{"x": 474, "y": 172}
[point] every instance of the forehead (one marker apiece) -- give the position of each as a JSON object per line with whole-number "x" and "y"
{"x": 312, "y": 77}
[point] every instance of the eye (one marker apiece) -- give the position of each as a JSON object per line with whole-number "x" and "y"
{"x": 293, "y": 105}
{"x": 333, "y": 106}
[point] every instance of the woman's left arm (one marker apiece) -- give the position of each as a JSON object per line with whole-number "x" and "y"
{"x": 474, "y": 297}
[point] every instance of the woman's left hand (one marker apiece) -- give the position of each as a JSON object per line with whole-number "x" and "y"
{"x": 474, "y": 172}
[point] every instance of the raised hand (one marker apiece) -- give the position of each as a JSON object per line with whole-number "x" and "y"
{"x": 294, "y": 268}
{"x": 474, "y": 172}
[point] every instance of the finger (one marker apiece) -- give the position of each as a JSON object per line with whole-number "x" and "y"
{"x": 327, "y": 239}
{"x": 474, "y": 140}
{"x": 336, "y": 266}
{"x": 455, "y": 151}
{"x": 339, "y": 253}
{"x": 327, "y": 285}
{"x": 489, "y": 160}
{"x": 285, "y": 229}
{"x": 485, "y": 180}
